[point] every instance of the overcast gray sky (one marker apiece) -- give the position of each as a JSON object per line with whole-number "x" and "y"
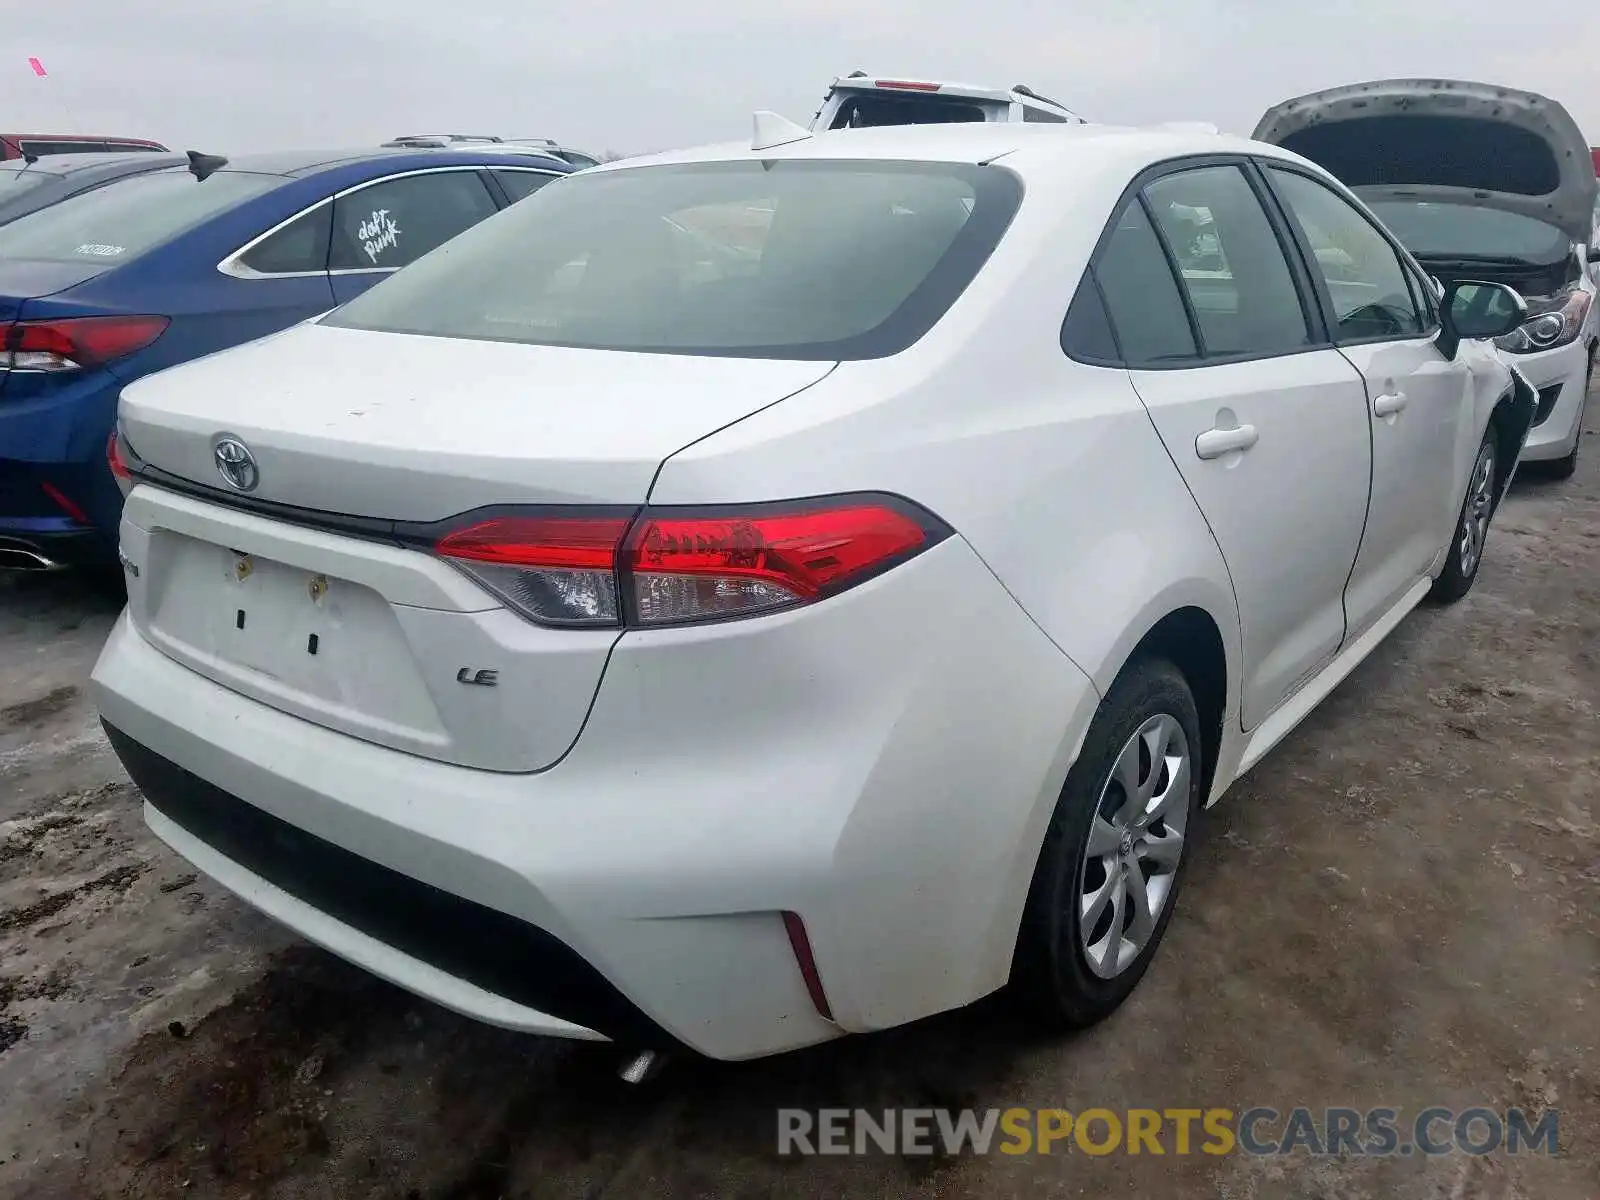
{"x": 634, "y": 76}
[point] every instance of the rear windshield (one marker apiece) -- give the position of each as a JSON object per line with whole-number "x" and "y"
{"x": 1466, "y": 231}
{"x": 788, "y": 259}
{"x": 126, "y": 217}
{"x": 864, "y": 110}
{"x": 14, "y": 183}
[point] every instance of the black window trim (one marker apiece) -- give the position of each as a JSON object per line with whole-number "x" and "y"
{"x": 1403, "y": 258}
{"x": 233, "y": 265}
{"x": 1311, "y": 303}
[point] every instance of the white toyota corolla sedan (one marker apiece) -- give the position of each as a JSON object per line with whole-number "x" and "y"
{"x": 768, "y": 592}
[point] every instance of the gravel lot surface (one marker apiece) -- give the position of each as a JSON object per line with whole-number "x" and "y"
{"x": 1400, "y": 907}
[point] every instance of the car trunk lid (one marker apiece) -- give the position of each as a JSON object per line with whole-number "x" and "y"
{"x": 1446, "y": 141}
{"x": 415, "y": 428}
{"x": 283, "y": 596}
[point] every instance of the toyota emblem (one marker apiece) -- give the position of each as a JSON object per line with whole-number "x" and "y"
{"x": 236, "y": 464}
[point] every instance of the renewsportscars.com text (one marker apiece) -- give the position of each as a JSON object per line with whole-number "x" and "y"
{"x": 1379, "y": 1132}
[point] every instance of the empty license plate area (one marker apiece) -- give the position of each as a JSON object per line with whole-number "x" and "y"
{"x": 315, "y": 645}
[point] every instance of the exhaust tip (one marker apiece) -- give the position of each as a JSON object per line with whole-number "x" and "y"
{"x": 21, "y": 556}
{"x": 643, "y": 1066}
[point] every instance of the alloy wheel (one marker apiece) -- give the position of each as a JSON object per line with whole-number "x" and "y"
{"x": 1135, "y": 842}
{"x": 1480, "y": 507}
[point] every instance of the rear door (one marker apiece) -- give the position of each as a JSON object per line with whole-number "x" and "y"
{"x": 381, "y": 226}
{"x": 1263, "y": 418}
{"x": 1384, "y": 321}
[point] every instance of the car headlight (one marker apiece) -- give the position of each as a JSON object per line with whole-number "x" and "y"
{"x": 1557, "y": 324}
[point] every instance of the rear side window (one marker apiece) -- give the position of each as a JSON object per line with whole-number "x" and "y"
{"x": 1141, "y": 296}
{"x": 122, "y": 219}
{"x": 1043, "y": 115}
{"x": 808, "y": 259}
{"x": 396, "y": 222}
{"x": 519, "y": 185}
{"x": 299, "y": 247}
{"x": 1231, "y": 263}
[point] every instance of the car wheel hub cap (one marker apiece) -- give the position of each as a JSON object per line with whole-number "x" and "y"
{"x": 1135, "y": 842}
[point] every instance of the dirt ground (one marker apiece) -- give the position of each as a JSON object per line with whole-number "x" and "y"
{"x": 1400, "y": 907}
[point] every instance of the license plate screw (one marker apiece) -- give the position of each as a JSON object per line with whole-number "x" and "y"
{"x": 319, "y": 587}
{"x": 242, "y": 568}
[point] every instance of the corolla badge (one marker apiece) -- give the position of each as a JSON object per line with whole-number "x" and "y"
{"x": 235, "y": 464}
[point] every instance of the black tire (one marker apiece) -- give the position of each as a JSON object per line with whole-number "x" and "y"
{"x": 1464, "y": 557}
{"x": 1564, "y": 468}
{"x": 1051, "y": 973}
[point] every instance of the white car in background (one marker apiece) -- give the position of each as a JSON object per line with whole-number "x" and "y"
{"x": 1480, "y": 182}
{"x": 609, "y": 645}
{"x": 859, "y": 100}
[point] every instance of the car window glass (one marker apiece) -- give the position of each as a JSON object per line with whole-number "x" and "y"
{"x": 519, "y": 185}
{"x": 398, "y": 221}
{"x": 122, "y": 219}
{"x": 1086, "y": 334}
{"x": 301, "y": 245}
{"x": 1361, "y": 269}
{"x": 14, "y": 183}
{"x": 1231, "y": 262}
{"x": 785, "y": 259}
{"x": 1141, "y": 296}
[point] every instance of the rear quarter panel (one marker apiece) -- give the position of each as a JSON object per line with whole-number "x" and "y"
{"x": 1049, "y": 468}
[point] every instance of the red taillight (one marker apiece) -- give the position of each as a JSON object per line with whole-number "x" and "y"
{"x": 558, "y": 570}
{"x": 906, "y": 85}
{"x": 672, "y": 566}
{"x": 115, "y": 459}
{"x": 691, "y": 568}
{"x": 74, "y": 343}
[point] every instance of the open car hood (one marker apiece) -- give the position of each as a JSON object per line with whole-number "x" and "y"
{"x": 1446, "y": 142}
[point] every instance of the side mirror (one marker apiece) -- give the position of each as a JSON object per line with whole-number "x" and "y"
{"x": 1473, "y": 309}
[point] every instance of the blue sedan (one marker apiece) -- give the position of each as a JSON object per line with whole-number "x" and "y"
{"x": 155, "y": 269}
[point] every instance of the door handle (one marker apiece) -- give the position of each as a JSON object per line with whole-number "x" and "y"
{"x": 1388, "y": 404}
{"x": 1214, "y": 443}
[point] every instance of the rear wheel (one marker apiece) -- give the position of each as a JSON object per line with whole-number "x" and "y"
{"x": 1108, "y": 876}
{"x": 1472, "y": 529}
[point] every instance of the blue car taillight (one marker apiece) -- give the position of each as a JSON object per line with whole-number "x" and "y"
{"x": 75, "y": 343}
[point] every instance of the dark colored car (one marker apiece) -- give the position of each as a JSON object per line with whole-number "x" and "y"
{"x": 26, "y": 186}
{"x": 41, "y": 145}
{"x": 156, "y": 269}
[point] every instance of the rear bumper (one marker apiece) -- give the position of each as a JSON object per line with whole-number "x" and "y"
{"x": 882, "y": 764}
{"x": 51, "y": 510}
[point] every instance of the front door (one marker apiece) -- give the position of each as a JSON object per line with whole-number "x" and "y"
{"x": 1384, "y": 321}
{"x": 1265, "y": 421}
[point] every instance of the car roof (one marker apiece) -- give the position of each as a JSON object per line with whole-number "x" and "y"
{"x": 67, "y": 164}
{"x": 1024, "y": 147}
{"x": 297, "y": 163}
